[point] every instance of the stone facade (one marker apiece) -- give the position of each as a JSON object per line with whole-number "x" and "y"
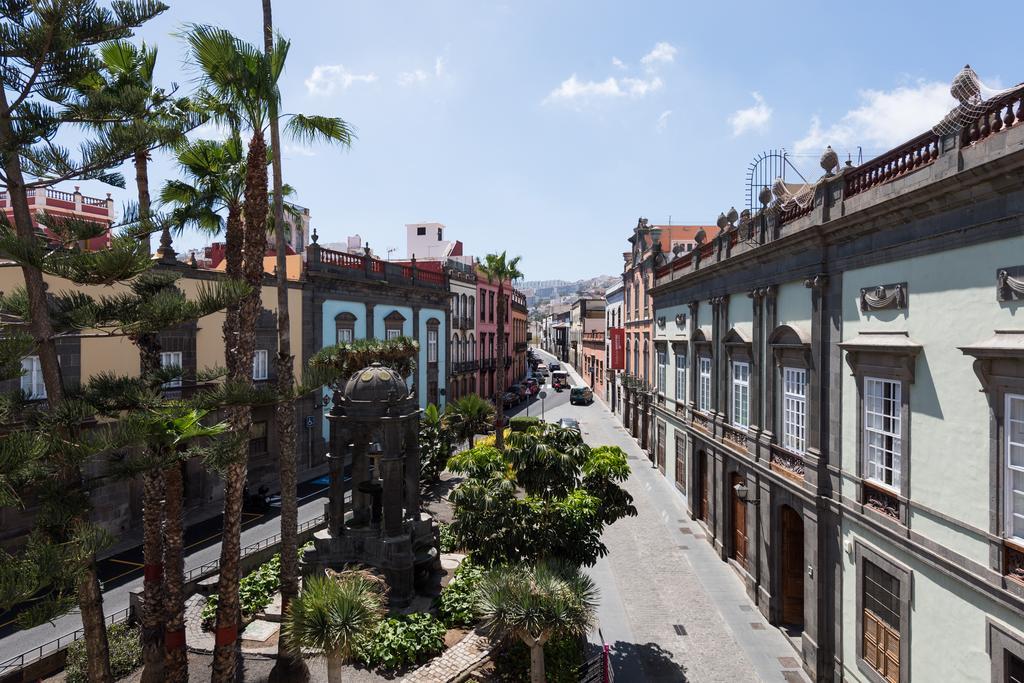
{"x": 851, "y": 406}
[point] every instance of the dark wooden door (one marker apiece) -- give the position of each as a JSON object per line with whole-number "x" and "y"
{"x": 680, "y": 461}
{"x": 702, "y": 483}
{"x": 660, "y": 446}
{"x": 792, "y": 570}
{"x": 739, "y": 523}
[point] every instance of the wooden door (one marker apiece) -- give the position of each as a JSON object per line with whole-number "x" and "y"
{"x": 660, "y": 447}
{"x": 680, "y": 461}
{"x": 702, "y": 484}
{"x": 792, "y": 569}
{"x": 739, "y": 523}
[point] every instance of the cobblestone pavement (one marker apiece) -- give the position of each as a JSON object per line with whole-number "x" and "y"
{"x": 455, "y": 661}
{"x": 670, "y": 609}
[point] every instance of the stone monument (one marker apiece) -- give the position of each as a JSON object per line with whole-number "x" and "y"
{"x": 375, "y": 418}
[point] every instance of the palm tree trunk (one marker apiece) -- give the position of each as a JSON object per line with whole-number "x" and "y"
{"x": 289, "y": 666}
{"x": 152, "y": 619}
{"x": 225, "y": 654}
{"x": 334, "y": 664}
{"x": 152, "y": 636}
{"x": 536, "y": 662}
{"x": 176, "y": 656}
{"x": 499, "y": 404}
{"x": 90, "y": 598}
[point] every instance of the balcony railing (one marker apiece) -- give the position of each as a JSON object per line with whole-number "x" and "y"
{"x": 787, "y": 463}
{"x": 369, "y": 268}
{"x": 908, "y": 157}
{"x": 736, "y": 437}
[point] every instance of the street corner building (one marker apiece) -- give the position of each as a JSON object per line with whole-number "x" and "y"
{"x": 836, "y": 388}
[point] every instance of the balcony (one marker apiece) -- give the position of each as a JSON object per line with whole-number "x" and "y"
{"x": 520, "y": 347}
{"x": 358, "y": 267}
{"x": 736, "y": 437}
{"x": 787, "y": 463}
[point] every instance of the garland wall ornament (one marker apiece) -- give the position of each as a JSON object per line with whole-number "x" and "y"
{"x": 680, "y": 319}
{"x": 661, "y": 321}
{"x": 818, "y": 281}
{"x": 1010, "y": 284}
{"x": 884, "y": 297}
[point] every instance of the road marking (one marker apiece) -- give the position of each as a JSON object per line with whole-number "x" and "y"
{"x": 128, "y": 562}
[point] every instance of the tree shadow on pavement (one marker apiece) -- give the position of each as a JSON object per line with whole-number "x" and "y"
{"x": 649, "y": 661}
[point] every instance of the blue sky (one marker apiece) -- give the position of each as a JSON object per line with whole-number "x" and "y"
{"x": 547, "y": 128}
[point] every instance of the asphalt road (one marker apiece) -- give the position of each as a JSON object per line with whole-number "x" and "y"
{"x": 121, "y": 574}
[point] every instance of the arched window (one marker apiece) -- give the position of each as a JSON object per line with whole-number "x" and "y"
{"x": 345, "y": 328}
{"x": 456, "y": 350}
{"x": 472, "y": 309}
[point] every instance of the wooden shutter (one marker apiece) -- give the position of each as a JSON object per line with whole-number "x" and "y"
{"x": 881, "y": 647}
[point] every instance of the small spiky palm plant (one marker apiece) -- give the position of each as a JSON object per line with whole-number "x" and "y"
{"x": 332, "y": 613}
{"x": 536, "y": 603}
{"x": 468, "y": 416}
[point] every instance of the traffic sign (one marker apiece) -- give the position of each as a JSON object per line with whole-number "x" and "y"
{"x": 309, "y": 421}
{"x": 543, "y": 394}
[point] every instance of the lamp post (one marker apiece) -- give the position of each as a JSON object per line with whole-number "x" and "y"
{"x": 742, "y": 493}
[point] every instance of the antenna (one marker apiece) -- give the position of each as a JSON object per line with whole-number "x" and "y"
{"x": 391, "y": 249}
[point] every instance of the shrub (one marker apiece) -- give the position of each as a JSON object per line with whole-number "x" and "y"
{"x": 125, "y": 654}
{"x": 562, "y": 659}
{"x": 523, "y": 423}
{"x": 255, "y": 591}
{"x": 456, "y": 606}
{"x": 447, "y": 538}
{"x": 400, "y": 641}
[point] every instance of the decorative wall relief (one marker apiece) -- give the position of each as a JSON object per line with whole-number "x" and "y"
{"x": 884, "y": 297}
{"x": 1010, "y": 284}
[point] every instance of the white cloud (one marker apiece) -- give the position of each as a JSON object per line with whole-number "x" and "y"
{"x": 661, "y": 52}
{"x": 326, "y": 78}
{"x": 408, "y": 78}
{"x": 885, "y": 118}
{"x": 663, "y": 120}
{"x": 752, "y": 118}
{"x": 297, "y": 151}
{"x": 439, "y": 67}
{"x": 618, "y": 63}
{"x": 573, "y": 89}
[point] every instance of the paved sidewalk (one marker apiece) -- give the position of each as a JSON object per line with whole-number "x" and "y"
{"x": 670, "y": 608}
{"x": 457, "y": 660}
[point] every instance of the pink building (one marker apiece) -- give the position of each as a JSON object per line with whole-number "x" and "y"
{"x": 58, "y": 203}
{"x": 487, "y": 337}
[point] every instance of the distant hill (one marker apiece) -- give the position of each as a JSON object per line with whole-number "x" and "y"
{"x": 542, "y": 296}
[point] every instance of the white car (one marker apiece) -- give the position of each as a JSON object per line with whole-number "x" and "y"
{"x": 542, "y": 370}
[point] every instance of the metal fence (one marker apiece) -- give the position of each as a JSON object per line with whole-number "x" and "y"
{"x": 208, "y": 569}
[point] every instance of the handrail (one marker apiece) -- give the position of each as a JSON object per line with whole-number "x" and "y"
{"x": 908, "y": 157}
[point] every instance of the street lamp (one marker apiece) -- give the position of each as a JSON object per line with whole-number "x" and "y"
{"x": 742, "y": 492}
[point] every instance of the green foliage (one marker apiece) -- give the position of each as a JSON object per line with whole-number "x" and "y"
{"x": 538, "y": 603}
{"x": 548, "y": 495}
{"x": 468, "y": 416}
{"x": 255, "y": 592}
{"x": 447, "y": 538}
{"x": 435, "y": 445}
{"x": 563, "y": 656}
{"x": 522, "y": 423}
{"x": 457, "y": 604}
{"x": 125, "y": 654}
{"x": 400, "y": 641}
{"x": 334, "y": 365}
{"x": 336, "y": 614}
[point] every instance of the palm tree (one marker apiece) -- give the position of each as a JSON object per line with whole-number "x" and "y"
{"x": 331, "y": 615}
{"x": 170, "y": 430}
{"x": 499, "y": 267}
{"x": 239, "y": 88}
{"x": 468, "y": 416}
{"x": 536, "y": 603}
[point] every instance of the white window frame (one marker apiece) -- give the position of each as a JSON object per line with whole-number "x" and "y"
{"x": 1014, "y": 472}
{"x": 171, "y": 359}
{"x": 741, "y": 394}
{"x": 259, "y": 364}
{"x": 704, "y": 385}
{"x": 346, "y": 335}
{"x": 32, "y": 384}
{"x": 392, "y": 333}
{"x": 681, "y": 377}
{"x": 794, "y": 409}
{"x": 662, "y": 370}
{"x": 883, "y": 437}
{"x": 431, "y": 346}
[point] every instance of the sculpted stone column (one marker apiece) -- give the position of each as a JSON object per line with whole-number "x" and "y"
{"x": 391, "y": 471}
{"x": 412, "y": 471}
{"x": 360, "y": 474}
{"x": 336, "y": 500}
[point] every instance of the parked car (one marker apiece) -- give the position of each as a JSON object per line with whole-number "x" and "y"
{"x": 532, "y": 385}
{"x": 569, "y": 423}
{"x": 542, "y": 370}
{"x": 554, "y": 366}
{"x": 522, "y": 391}
{"x": 581, "y": 395}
